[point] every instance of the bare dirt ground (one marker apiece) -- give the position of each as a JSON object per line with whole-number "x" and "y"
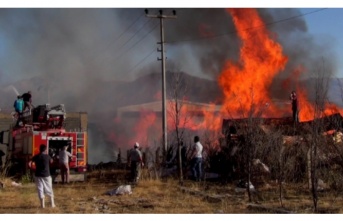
{"x": 162, "y": 197}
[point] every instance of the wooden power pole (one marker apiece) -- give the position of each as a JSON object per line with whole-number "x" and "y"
{"x": 161, "y": 16}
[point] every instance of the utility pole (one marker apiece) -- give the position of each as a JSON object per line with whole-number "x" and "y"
{"x": 161, "y": 16}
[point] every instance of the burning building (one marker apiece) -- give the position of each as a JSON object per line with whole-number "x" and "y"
{"x": 247, "y": 89}
{"x": 146, "y": 120}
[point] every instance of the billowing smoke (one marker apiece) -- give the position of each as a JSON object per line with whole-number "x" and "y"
{"x": 80, "y": 57}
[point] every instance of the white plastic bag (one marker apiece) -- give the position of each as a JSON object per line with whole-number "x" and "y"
{"x": 121, "y": 190}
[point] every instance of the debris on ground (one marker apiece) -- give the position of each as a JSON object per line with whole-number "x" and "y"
{"x": 321, "y": 185}
{"x": 121, "y": 190}
{"x": 242, "y": 186}
{"x": 15, "y": 184}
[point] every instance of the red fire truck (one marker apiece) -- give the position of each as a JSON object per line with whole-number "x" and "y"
{"x": 45, "y": 125}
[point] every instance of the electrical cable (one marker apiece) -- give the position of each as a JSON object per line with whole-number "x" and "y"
{"x": 250, "y": 28}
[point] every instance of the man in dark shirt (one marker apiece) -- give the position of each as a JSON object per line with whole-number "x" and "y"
{"x": 294, "y": 99}
{"x": 42, "y": 175}
{"x": 183, "y": 155}
{"x": 135, "y": 161}
{"x": 27, "y": 98}
{"x": 1, "y": 155}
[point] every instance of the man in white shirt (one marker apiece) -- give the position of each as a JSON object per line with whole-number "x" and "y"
{"x": 64, "y": 164}
{"x": 197, "y": 159}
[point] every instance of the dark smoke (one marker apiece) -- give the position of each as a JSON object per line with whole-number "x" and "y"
{"x": 78, "y": 57}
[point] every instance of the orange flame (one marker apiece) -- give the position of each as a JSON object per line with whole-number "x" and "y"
{"x": 146, "y": 122}
{"x": 245, "y": 84}
{"x": 194, "y": 117}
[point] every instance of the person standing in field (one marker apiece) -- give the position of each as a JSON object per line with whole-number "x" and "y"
{"x": 183, "y": 155}
{"x": 197, "y": 159}
{"x": 1, "y": 155}
{"x": 136, "y": 162}
{"x": 294, "y": 99}
{"x": 43, "y": 179}
{"x": 63, "y": 157}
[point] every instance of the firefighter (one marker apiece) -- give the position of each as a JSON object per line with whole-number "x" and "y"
{"x": 295, "y": 111}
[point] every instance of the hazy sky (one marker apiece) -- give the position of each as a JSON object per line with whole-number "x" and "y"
{"x": 326, "y": 26}
{"x": 116, "y": 44}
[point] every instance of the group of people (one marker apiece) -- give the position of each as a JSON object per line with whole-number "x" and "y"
{"x": 135, "y": 160}
{"x": 42, "y": 160}
{"x": 43, "y": 178}
{"x": 40, "y": 163}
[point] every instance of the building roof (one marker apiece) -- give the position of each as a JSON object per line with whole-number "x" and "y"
{"x": 156, "y": 106}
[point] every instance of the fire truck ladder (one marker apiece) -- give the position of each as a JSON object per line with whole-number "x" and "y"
{"x": 80, "y": 146}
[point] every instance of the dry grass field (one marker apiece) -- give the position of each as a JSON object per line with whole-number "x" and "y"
{"x": 160, "y": 197}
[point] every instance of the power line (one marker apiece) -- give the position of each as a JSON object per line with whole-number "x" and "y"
{"x": 138, "y": 18}
{"x": 134, "y": 34}
{"x": 132, "y": 46}
{"x": 119, "y": 55}
{"x": 125, "y": 31}
{"x": 148, "y": 55}
{"x": 250, "y": 28}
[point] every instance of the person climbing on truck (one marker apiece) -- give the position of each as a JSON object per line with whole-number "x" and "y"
{"x": 27, "y": 98}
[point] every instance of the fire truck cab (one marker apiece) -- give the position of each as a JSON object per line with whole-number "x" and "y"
{"x": 45, "y": 125}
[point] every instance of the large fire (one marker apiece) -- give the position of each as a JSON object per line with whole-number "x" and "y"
{"x": 245, "y": 83}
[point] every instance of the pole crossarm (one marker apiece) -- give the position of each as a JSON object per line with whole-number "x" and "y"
{"x": 162, "y": 16}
